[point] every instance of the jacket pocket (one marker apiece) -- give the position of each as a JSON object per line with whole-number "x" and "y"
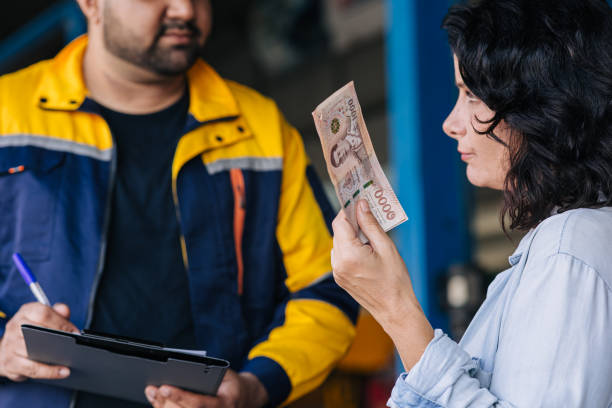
{"x": 30, "y": 181}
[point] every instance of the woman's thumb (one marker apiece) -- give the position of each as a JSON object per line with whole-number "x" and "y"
{"x": 368, "y": 223}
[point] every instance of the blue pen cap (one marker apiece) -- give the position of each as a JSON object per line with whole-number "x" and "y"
{"x": 23, "y": 269}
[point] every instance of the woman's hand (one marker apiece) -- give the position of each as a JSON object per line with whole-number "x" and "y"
{"x": 375, "y": 275}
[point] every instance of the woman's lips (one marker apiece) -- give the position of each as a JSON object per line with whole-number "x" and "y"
{"x": 465, "y": 156}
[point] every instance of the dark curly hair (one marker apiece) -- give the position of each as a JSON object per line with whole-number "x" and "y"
{"x": 545, "y": 68}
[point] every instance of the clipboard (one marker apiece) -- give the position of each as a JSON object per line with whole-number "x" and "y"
{"x": 118, "y": 367}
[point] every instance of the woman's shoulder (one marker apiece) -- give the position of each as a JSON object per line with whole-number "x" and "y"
{"x": 584, "y": 234}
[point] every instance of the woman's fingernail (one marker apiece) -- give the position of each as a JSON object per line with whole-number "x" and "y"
{"x": 64, "y": 372}
{"x": 164, "y": 392}
{"x": 364, "y": 206}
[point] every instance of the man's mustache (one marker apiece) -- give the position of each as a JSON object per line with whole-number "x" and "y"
{"x": 188, "y": 26}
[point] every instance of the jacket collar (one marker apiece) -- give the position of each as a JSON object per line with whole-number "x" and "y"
{"x": 62, "y": 86}
{"x": 210, "y": 97}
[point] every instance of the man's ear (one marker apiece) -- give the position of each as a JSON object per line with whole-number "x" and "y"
{"x": 92, "y": 10}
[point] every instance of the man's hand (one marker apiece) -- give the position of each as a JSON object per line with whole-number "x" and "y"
{"x": 14, "y": 362}
{"x": 236, "y": 391}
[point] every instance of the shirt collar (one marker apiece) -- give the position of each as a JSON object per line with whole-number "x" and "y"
{"x": 521, "y": 248}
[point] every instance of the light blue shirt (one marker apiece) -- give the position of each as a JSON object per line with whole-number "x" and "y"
{"x": 543, "y": 336}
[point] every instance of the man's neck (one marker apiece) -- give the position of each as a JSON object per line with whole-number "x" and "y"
{"x": 126, "y": 88}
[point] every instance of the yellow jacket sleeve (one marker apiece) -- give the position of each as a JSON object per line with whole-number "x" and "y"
{"x": 314, "y": 327}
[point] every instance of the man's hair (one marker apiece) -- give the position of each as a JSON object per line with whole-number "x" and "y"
{"x": 545, "y": 68}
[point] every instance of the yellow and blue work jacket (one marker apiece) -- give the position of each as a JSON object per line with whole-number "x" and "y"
{"x": 254, "y": 223}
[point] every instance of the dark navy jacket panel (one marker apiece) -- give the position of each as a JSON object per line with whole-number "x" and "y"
{"x": 52, "y": 214}
{"x": 237, "y": 321}
{"x": 204, "y": 200}
{"x": 30, "y": 394}
{"x": 264, "y": 273}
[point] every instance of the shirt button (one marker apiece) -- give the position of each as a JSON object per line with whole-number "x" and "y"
{"x": 219, "y": 138}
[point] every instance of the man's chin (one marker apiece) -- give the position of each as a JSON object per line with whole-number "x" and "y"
{"x": 171, "y": 71}
{"x": 174, "y": 63}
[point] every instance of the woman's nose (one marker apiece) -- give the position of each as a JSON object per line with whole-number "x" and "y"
{"x": 453, "y": 126}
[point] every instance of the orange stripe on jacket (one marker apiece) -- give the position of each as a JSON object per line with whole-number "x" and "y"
{"x": 237, "y": 179}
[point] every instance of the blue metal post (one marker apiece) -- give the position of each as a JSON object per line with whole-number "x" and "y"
{"x": 65, "y": 16}
{"x": 429, "y": 178}
{"x": 74, "y": 22}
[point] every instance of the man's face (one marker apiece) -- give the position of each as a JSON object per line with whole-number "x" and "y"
{"x": 161, "y": 36}
{"x": 341, "y": 152}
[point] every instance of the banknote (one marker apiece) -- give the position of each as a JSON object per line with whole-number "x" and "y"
{"x": 351, "y": 161}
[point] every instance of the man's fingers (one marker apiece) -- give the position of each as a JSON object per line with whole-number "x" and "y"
{"x": 46, "y": 316}
{"x": 27, "y": 368}
{"x": 15, "y": 339}
{"x": 62, "y": 309}
{"x": 369, "y": 225}
{"x": 167, "y": 396}
{"x": 151, "y": 394}
{"x": 172, "y": 404}
{"x": 186, "y": 398}
{"x": 156, "y": 400}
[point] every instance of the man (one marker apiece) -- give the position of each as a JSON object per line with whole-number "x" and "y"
{"x": 358, "y": 174}
{"x": 156, "y": 200}
{"x": 351, "y": 142}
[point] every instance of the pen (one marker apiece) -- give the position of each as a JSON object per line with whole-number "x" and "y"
{"x": 30, "y": 280}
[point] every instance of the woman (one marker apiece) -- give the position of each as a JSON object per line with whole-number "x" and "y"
{"x": 534, "y": 119}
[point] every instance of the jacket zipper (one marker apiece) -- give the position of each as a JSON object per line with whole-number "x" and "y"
{"x": 177, "y": 210}
{"x": 175, "y": 194}
{"x": 102, "y": 256}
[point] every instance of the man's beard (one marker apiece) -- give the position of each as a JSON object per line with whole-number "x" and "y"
{"x": 166, "y": 61}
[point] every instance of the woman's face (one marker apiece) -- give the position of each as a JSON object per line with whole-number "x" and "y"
{"x": 487, "y": 160}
